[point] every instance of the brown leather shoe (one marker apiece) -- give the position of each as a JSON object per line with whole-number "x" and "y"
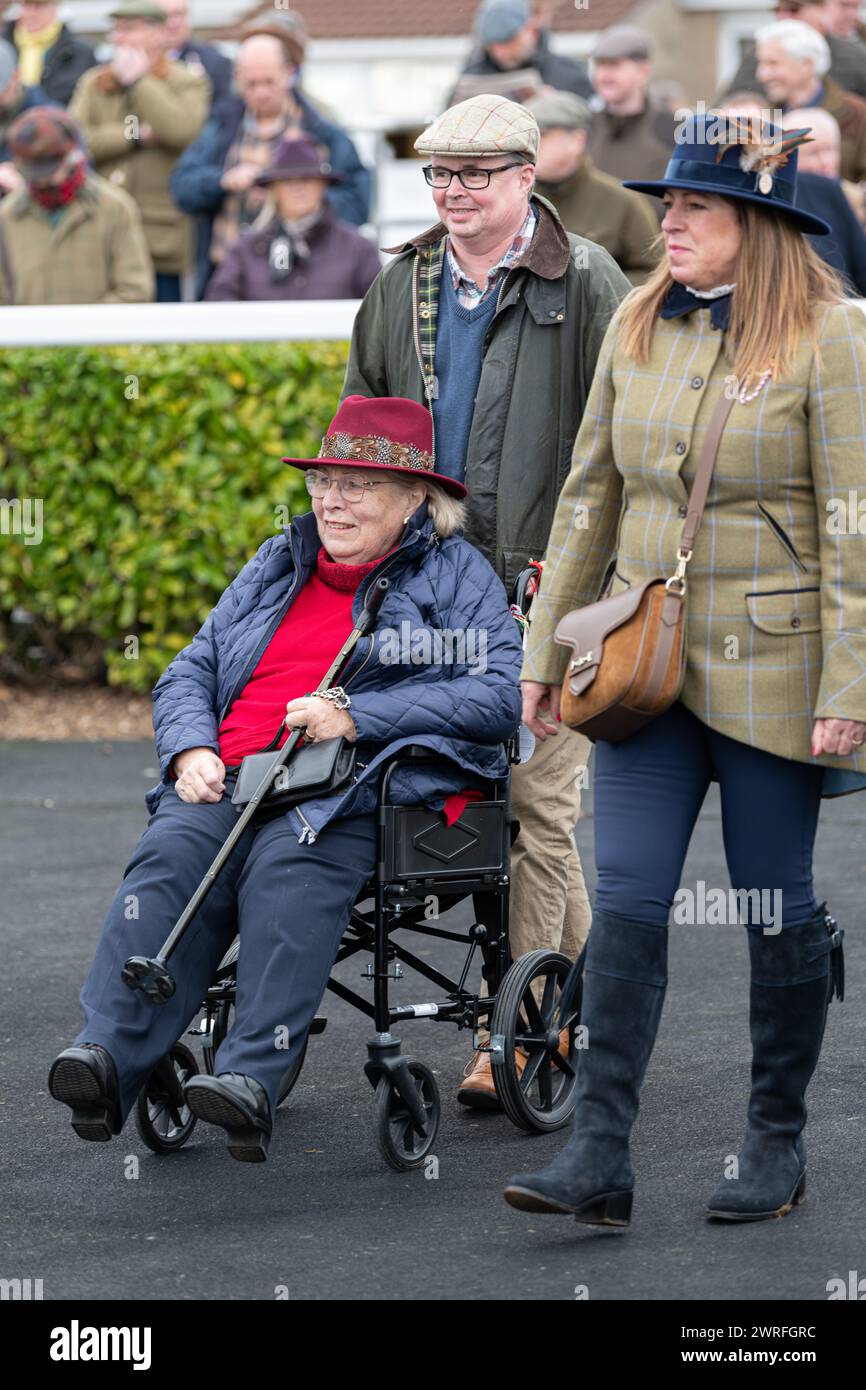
{"x": 478, "y": 1091}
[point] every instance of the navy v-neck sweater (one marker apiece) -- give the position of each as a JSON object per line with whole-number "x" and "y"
{"x": 459, "y": 347}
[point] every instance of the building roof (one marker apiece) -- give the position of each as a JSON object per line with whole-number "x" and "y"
{"x": 369, "y": 19}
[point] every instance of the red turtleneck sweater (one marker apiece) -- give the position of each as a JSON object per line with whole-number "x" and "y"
{"x": 296, "y": 658}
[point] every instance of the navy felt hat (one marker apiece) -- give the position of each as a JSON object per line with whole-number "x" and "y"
{"x": 738, "y": 157}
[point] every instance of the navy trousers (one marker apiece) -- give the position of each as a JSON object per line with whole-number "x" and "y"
{"x": 290, "y": 902}
{"x": 648, "y": 791}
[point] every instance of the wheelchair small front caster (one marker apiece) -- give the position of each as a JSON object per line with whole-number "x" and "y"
{"x": 402, "y": 1146}
{"x": 164, "y": 1122}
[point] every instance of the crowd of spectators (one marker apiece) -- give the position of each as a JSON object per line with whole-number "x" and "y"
{"x": 172, "y": 171}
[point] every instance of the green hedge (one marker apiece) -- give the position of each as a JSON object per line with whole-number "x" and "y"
{"x": 159, "y": 473}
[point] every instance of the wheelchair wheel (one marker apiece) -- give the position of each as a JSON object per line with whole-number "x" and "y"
{"x": 222, "y": 1023}
{"x": 536, "y": 1094}
{"x": 162, "y": 1124}
{"x": 401, "y": 1145}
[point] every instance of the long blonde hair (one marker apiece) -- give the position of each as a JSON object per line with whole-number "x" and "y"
{"x": 781, "y": 283}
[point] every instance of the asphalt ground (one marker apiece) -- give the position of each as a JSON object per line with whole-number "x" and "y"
{"x": 325, "y": 1218}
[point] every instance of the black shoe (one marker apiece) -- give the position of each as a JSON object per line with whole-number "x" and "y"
{"x": 85, "y": 1079}
{"x": 794, "y": 975}
{"x": 240, "y": 1105}
{"x": 591, "y": 1179}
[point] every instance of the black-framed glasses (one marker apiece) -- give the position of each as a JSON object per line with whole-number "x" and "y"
{"x": 438, "y": 177}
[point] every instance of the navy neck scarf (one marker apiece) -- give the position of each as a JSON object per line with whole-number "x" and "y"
{"x": 680, "y": 301}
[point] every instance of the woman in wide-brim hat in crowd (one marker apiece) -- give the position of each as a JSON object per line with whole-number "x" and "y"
{"x": 379, "y": 508}
{"x": 773, "y": 704}
{"x": 297, "y": 248}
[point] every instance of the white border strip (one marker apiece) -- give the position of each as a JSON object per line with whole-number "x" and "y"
{"x": 70, "y": 325}
{"x": 65, "y": 325}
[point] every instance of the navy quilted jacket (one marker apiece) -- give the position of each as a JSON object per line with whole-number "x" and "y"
{"x": 445, "y": 602}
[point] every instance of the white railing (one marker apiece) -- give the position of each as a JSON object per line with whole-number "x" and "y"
{"x": 70, "y": 325}
{"x": 65, "y": 325}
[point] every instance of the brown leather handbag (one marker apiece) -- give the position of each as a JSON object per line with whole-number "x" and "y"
{"x": 628, "y": 650}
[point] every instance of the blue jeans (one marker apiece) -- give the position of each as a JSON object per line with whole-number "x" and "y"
{"x": 648, "y": 792}
{"x": 289, "y": 902}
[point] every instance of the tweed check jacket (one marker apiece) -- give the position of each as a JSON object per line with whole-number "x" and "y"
{"x": 776, "y": 603}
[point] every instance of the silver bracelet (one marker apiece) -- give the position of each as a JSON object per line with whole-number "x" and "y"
{"x": 336, "y": 695}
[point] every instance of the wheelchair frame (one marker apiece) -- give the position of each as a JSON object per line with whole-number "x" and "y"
{"x": 531, "y": 1014}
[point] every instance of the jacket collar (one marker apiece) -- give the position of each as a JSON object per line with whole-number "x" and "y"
{"x": 583, "y": 171}
{"x": 681, "y": 301}
{"x": 266, "y": 233}
{"x": 548, "y": 255}
{"x": 303, "y": 536}
{"x": 84, "y": 203}
{"x": 106, "y": 81}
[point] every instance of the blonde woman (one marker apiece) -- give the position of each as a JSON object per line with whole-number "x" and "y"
{"x": 773, "y": 705}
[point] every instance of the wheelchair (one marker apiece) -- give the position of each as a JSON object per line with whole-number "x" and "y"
{"x": 531, "y": 1007}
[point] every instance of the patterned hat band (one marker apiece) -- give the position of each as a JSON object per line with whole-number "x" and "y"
{"x": 375, "y": 448}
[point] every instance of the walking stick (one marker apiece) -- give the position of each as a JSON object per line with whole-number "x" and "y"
{"x": 149, "y": 974}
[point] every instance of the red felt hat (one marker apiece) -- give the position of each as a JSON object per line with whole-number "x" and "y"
{"x": 387, "y": 432}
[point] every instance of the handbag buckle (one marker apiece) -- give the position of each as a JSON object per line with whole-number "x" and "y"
{"x": 679, "y": 576}
{"x": 580, "y": 661}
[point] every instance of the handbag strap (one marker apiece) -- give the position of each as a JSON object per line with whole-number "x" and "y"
{"x": 703, "y": 474}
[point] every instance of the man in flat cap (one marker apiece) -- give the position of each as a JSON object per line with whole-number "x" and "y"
{"x": 590, "y": 202}
{"x": 495, "y": 318}
{"x": 67, "y": 236}
{"x": 510, "y": 38}
{"x": 139, "y": 112}
{"x": 630, "y": 137}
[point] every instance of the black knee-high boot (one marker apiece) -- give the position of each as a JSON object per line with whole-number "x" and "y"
{"x": 626, "y": 975}
{"x": 794, "y": 976}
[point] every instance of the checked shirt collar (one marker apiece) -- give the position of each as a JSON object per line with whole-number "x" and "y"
{"x": 468, "y": 293}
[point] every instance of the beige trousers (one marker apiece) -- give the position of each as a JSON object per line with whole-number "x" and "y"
{"x": 548, "y": 907}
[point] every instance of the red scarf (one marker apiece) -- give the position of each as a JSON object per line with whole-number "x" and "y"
{"x": 342, "y": 576}
{"x": 52, "y": 197}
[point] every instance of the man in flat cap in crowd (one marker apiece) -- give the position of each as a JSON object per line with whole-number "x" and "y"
{"x": 495, "y": 318}
{"x": 138, "y": 113}
{"x": 630, "y": 137}
{"x": 590, "y": 202}
{"x": 67, "y": 236}
{"x": 511, "y": 38}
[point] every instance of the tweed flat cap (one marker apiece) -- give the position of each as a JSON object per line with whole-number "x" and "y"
{"x": 483, "y": 125}
{"x": 560, "y": 111}
{"x": 622, "y": 41}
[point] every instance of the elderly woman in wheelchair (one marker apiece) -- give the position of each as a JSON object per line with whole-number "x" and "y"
{"x": 289, "y": 885}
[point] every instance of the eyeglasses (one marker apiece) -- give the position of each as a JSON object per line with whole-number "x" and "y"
{"x": 438, "y": 177}
{"x": 350, "y": 489}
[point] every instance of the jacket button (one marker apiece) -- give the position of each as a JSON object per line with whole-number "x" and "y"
{"x": 697, "y": 382}
{"x": 682, "y": 510}
{"x": 680, "y": 447}
{"x": 795, "y": 622}
{"x": 425, "y": 313}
